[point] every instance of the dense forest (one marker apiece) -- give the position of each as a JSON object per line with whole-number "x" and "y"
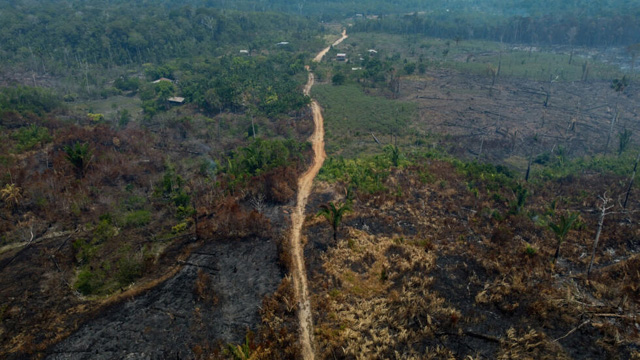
{"x": 47, "y": 36}
{"x": 476, "y": 193}
{"x": 336, "y": 9}
{"x": 548, "y": 29}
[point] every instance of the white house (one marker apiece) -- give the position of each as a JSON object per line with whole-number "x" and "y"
{"x": 162, "y": 79}
{"x": 176, "y": 100}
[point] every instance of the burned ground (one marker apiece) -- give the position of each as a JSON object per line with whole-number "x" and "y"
{"x": 487, "y": 273}
{"x": 509, "y": 122}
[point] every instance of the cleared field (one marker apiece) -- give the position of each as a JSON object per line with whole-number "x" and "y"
{"x": 483, "y": 57}
{"x": 351, "y": 116}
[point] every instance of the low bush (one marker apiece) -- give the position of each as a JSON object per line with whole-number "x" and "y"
{"x": 137, "y": 218}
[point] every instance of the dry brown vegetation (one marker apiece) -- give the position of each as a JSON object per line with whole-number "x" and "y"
{"x": 75, "y": 243}
{"x": 447, "y": 268}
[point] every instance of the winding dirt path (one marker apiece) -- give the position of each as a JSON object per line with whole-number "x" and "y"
{"x": 299, "y": 272}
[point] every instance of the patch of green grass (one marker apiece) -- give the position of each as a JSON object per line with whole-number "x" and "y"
{"x": 137, "y": 218}
{"x": 367, "y": 174}
{"x": 349, "y": 113}
{"x": 539, "y": 66}
{"x": 558, "y": 168}
{"x": 113, "y": 107}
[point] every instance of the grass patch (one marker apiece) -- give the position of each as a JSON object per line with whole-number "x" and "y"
{"x": 366, "y": 173}
{"x": 349, "y": 113}
{"x": 112, "y": 107}
{"x": 558, "y": 168}
{"x": 535, "y": 66}
{"x": 137, "y": 218}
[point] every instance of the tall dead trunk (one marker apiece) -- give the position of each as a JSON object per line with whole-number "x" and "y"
{"x": 571, "y": 56}
{"x": 526, "y": 176}
{"x": 481, "y": 145}
{"x": 603, "y": 213}
{"x": 253, "y": 128}
{"x": 633, "y": 176}
{"x": 557, "y": 254}
{"x": 613, "y": 123}
{"x": 548, "y": 92}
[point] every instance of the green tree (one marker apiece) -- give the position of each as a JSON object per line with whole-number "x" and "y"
{"x": 30, "y": 136}
{"x": 127, "y": 83}
{"x": 79, "y": 155}
{"x": 164, "y": 90}
{"x": 561, "y": 230}
{"x": 338, "y": 79}
{"x": 334, "y": 214}
{"x": 410, "y": 68}
{"x": 124, "y": 119}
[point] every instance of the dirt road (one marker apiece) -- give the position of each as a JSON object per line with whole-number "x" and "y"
{"x": 321, "y": 54}
{"x": 305, "y": 182}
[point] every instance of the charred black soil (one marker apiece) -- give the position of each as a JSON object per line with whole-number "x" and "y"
{"x": 213, "y": 299}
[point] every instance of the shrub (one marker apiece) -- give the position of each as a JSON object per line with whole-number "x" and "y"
{"x": 181, "y": 199}
{"x": 129, "y": 270}
{"x": 137, "y": 218}
{"x": 366, "y": 174}
{"x": 338, "y": 79}
{"x": 96, "y": 118}
{"x": 29, "y": 137}
{"x": 410, "y": 68}
{"x": 84, "y": 251}
{"x": 260, "y": 156}
{"x": 183, "y": 212}
{"x": 79, "y": 155}
{"x": 124, "y": 119}
{"x": 127, "y": 84}
{"x": 179, "y": 228}
{"x": 530, "y": 250}
{"x": 25, "y": 99}
{"x": 88, "y": 282}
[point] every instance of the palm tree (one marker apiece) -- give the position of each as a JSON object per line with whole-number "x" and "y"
{"x": 11, "y": 194}
{"x": 334, "y": 213}
{"x": 561, "y": 229}
{"x": 243, "y": 352}
{"x": 394, "y": 154}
